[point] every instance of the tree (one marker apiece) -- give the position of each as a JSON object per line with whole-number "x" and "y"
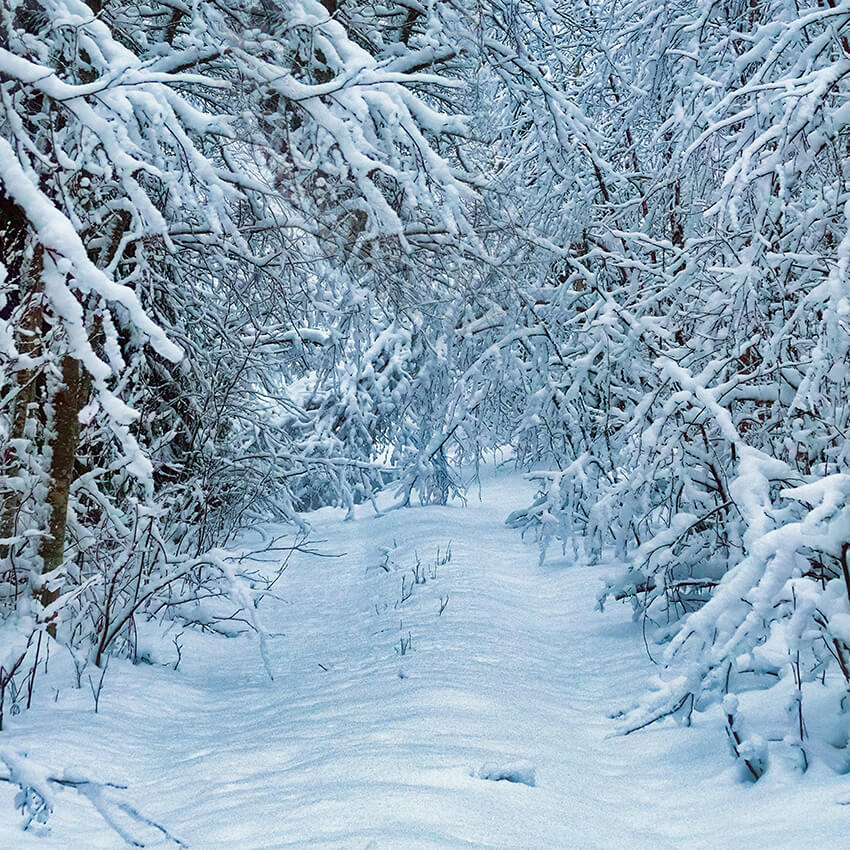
{"x": 708, "y": 367}
{"x": 176, "y": 183}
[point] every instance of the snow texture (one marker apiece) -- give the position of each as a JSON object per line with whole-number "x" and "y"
{"x": 386, "y": 718}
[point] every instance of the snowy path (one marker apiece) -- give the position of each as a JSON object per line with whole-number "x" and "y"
{"x": 356, "y": 746}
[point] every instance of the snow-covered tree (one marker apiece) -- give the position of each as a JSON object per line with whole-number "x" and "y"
{"x": 186, "y": 191}
{"x": 261, "y": 258}
{"x": 706, "y": 356}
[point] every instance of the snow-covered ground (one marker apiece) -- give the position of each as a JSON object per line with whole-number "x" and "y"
{"x": 392, "y": 725}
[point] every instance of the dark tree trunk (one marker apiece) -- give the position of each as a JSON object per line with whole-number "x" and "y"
{"x": 68, "y": 400}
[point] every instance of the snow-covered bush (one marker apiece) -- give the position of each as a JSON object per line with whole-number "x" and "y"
{"x": 701, "y": 323}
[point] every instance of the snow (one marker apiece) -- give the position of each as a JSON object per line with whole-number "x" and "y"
{"x": 518, "y": 771}
{"x": 57, "y": 233}
{"x": 393, "y": 724}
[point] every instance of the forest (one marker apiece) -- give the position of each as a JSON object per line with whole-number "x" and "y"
{"x": 264, "y": 258}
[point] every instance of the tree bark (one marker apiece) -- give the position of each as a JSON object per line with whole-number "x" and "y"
{"x": 68, "y": 400}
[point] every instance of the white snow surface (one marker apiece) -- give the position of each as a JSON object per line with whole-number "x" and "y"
{"x": 491, "y": 731}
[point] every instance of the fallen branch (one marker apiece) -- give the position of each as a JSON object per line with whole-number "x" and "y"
{"x": 36, "y": 800}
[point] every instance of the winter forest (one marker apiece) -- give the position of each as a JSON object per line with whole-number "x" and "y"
{"x": 539, "y": 307}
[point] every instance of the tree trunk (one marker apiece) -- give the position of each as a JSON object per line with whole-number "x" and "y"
{"x": 68, "y": 400}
